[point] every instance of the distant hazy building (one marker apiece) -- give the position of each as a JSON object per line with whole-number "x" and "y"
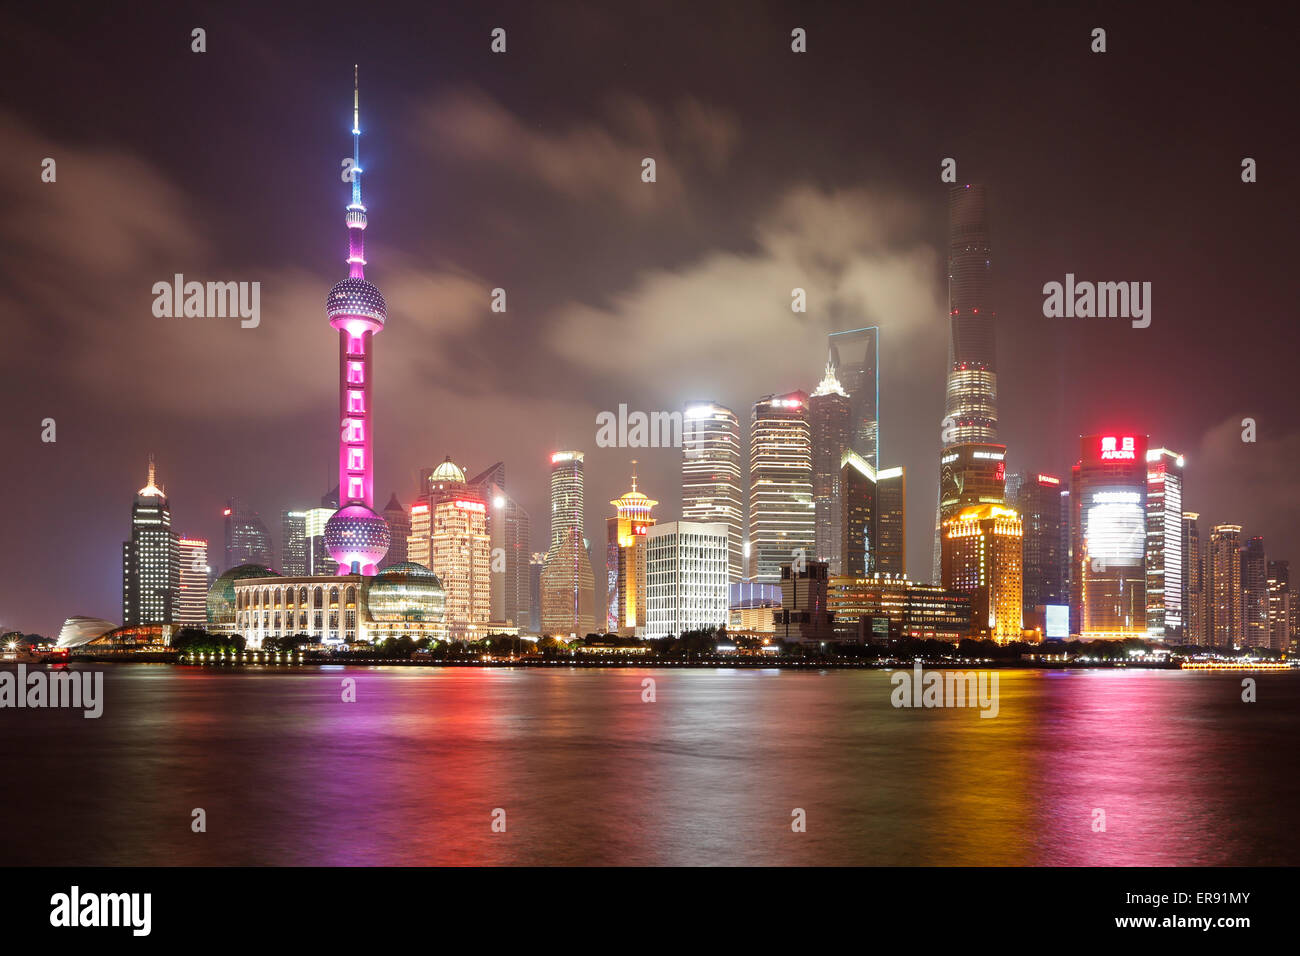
{"x": 399, "y": 526}
{"x": 982, "y": 555}
{"x": 1038, "y": 499}
{"x": 686, "y": 577}
{"x": 781, "y": 514}
{"x": 1254, "y": 594}
{"x": 1164, "y": 545}
{"x": 1108, "y": 521}
{"x": 625, "y": 562}
{"x": 1194, "y": 575}
{"x": 1224, "y": 618}
{"x": 192, "y": 602}
{"x": 318, "y": 555}
{"x": 830, "y": 418}
{"x": 1279, "y": 605}
{"x": 873, "y": 506}
{"x": 247, "y": 541}
{"x": 510, "y": 530}
{"x": 855, "y": 353}
{"x": 293, "y": 542}
{"x": 150, "y": 560}
{"x": 711, "y": 490}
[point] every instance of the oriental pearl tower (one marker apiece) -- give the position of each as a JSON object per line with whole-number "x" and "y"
{"x": 356, "y": 537}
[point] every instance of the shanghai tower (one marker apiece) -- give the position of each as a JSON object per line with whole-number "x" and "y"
{"x": 971, "y": 404}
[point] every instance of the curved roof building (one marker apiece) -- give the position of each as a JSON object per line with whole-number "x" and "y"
{"x": 406, "y": 592}
{"x": 79, "y": 630}
{"x": 221, "y": 596}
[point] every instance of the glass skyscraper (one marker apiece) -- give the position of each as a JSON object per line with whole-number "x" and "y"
{"x": 781, "y": 515}
{"x": 711, "y": 490}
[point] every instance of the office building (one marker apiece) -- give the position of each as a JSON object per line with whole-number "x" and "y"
{"x": 1037, "y": 497}
{"x": 246, "y": 538}
{"x": 855, "y": 357}
{"x": 830, "y": 420}
{"x": 1279, "y": 605}
{"x": 150, "y": 559}
{"x": 625, "y": 562}
{"x": 884, "y": 607}
{"x": 781, "y": 515}
{"x": 192, "y": 603}
{"x": 873, "y": 537}
{"x": 686, "y": 578}
{"x": 1224, "y": 619}
{"x": 1194, "y": 576}
{"x": 1254, "y": 594}
{"x": 711, "y": 489}
{"x": 982, "y": 556}
{"x": 1164, "y": 545}
{"x": 293, "y": 542}
{"x": 510, "y": 530}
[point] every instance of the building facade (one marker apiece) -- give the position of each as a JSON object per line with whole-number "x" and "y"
{"x": 855, "y": 354}
{"x": 1194, "y": 576}
{"x": 1037, "y": 497}
{"x": 625, "y": 563}
{"x": 246, "y": 538}
{"x": 782, "y": 522}
{"x": 1164, "y": 546}
{"x": 711, "y": 489}
{"x": 873, "y": 506}
{"x": 1254, "y": 594}
{"x": 830, "y": 419}
{"x": 150, "y": 559}
{"x": 687, "y": 578}
{"x": 982, "y": 556}
{"x": 293, "y": 542}
{"x": 1224, "y": 617}
{"x": 884, "y": 607}
{"x": 192, "y": 606}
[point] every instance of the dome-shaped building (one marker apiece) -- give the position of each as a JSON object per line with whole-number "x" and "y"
{"x": 357, "y": 538}
{"x": 221, "y": 596}
{"x": 406, "y": 599}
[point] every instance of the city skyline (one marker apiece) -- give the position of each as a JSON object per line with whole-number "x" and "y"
{"x": 491, "y": 402}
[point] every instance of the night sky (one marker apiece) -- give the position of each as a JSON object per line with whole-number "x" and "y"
{"x": 522, "y": 171}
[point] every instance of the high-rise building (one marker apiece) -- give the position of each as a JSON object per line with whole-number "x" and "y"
{"x": 1224, "y": 586}
{"x": 356, "y": 536}
{"x": 873, "y": 506}
{"x": 399, "y": 527}
{"x": 972, "y": 394}
{"x": 460, "y": 555}
{"x": 247, "y": 541}
{"x": 982, "y": 555}
{"x": 972, "y": 473}
{"x": 510, "y": 529}
{"x": 884, "y": 607}
{"x": 1164, "y": 546}
{"x": 535, "y": 565}
{"x": 1254, "y": 594}
{"x": 192, "y": 601}
{"x": 782, "y": 525}
{"x": 686, "y": 577}
{"x": 568, "y": 581}
{"x": 150, "y": 560}
{"x": 1279, "y": 605}
{"x": 711, "y": 490}
{"x": 1108, "y": 490}
{"x": 625, "y": 557}
{"x": 293, "y": 543}
{"x": 1194, "y": 574}
{"x": 1038, "y": 499}
{"x": 318, "y": 556}
{"x": 805, "y": 616}
{"x": 855, "y": 355}
{"x": 830, "y": 418}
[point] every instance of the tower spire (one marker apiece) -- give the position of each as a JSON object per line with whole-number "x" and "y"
{"x": 356, "y": 217}
{"x": 634, "y": 474}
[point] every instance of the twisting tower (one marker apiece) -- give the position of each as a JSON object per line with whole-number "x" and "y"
{"x": 357, "y": 537}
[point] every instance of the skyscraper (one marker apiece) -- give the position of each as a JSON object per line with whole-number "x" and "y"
{"x": 686, "y": 577}
{"x": 318, "y": 556}
{"x": 830, "y": 418}
{"x": 150, "y": 559}
{"x": 1254, "y": 594}
{"x": 873, "y": 538}
{"x": 625, "y": 566}
{"x": 711, "y": 475}
{"x": 1038, "y": 499}
{"x": 192, "y": 601}
{"x": 1164, "y": 547}
{"x": 293, "y": 543}
{"x": 1108, "y": 489}
{"x": 1194, "y": 609}
{"x": 781, "y": 517}
{"x": 970, "y": 473}
{"x": 1224, "y": 586}
{"x": 972, "y": 395}
{"x": 855, "y": 355}
{"x": 246, "y": 538}
{"x": 356, "y": 536}
{"x": 510, "y": 529}
{"x": 460, "y": 554}
{"x": 982, "y": 556}
{"x": 568, "y": 581}
{"x": 399, "y": 527}
{"x": 1279, "y": 605}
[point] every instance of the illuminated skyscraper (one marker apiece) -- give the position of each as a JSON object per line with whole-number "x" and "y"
{"x": 686, "y": 577}
{"x": 625, "y": 558}
{"x": 1254, "y": 594}
{"x": 568, "y": 581}
{"x": 247, "y": 541}
{"x": 356, "y": 536}
{"x": 1224, "y": 586}
{"x": 781, "y": 516}
{"x": 982, "y": 556}
{"x": 318, "y": 556}
{"x": 192, "y": 602}
{"x": 510, "y": 529}
{"x": 855, "y": 355}
{"x": 1194, "y": 575}
{"x": 1108, "y": 490}
{"x": 711, "y": 490}
{"x": 872, "y": 509}
{"x": 1164, "y": 547}
{"x": 1038, "y": 499}
{"x": 293, "y": 543}
{"x": 150, "y": 559}
{"x": 460, "y": 555}
{"x": 830, "y": 418}
{"x": 969, "y": 474}
{"x": 972, "y": 395}
{"x": 1279, "y": 605}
